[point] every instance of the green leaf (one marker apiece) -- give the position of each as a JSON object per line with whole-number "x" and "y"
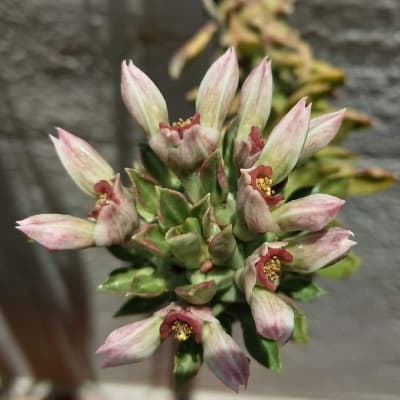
{"x": 145, "y": 193}
{"x": 342, "y": 269}
{"x": 265, "y": 351}
{"x": 370, "y": 181}
{"x": 223, "y": 277}
{"x": 141, "y": 305}
{"x": 188, "y": 360}
{"x": 197, "y": 294}
{"x": 172, "y": 208}
{"x": 156, "y": 168}
{"x": 151, "y": 239}
{"x": 300, "y": 288}
{"x": 119, "y": 281}
{"x": 148, "y": 286}
{"x": 300, "y": 333}
{"x": 187, "y": 245}
{"x": 223, "y": 247}
{"x": 335, "y": 186}
{"x": 126, "y": 254}
{"x": 213, "y": 178}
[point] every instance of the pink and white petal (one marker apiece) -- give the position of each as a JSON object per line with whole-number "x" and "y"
{"x": 285, "y": 143}
{"x": 83, "y": 163}
{"x": 217, "y": 90}
{"x": 224, "y": 357}
{"x": 322, "y": 130}
{"x": 273, "y": 317}
{"x": 142, "y": 98}
{"x": 58, "y": 231}
{"x": 311, "y": 213}
{"x": 255, "y": 99}
{"x": 131, "y": 343}
{"x": 317, "y": 250}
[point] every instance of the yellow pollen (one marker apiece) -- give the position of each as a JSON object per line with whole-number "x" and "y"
{"x": 101, "y": 201}
{"x": 181, "y": 330}
{"x": 272, "y": 268}
{"x": 182, "y": 123}
{"x": 264, "y": 184}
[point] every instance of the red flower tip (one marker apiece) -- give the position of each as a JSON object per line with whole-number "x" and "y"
{"x": 262, "y": 182}
{"x": 268, "y": 267}
{"x": 256, "y": 141}
{"x": 181, "y": 125}
{"x": 182, "y": 324}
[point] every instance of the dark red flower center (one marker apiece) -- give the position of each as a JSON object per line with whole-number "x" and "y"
{"x": 181, "y": 324}
{"x": 261, "y": 180}
{"x": 256, "y": 141}
{"x": 181, "y": 125}
{"x": 105, "y": 194}
{"x": 269, "y": 267}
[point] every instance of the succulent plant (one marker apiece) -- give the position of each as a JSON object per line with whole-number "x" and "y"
{"x": 211, "y": 226}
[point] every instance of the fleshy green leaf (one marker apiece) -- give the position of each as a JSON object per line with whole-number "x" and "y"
{"x": 370, "y": 181}
{"x": 148, "y": 286}
{"x": 300, "y": 288}
{"x": 197, "y": 294}
{"x": 119, "y": 281}
{"x": 145, "y": 193}
{"x": 140, "y": 305}
{"x": 156, "y": 168}
{"x": 151, "y": 239}
{"x": 223, "y": 277}
{"x": 213, "y": 179}
{"x": 172, "y": 208}
{"x": 188, "y": 360}
{"x": 342, "y": 269}
{"x": 300, "y": 333}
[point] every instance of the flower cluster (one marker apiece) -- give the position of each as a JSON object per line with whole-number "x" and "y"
{"x": 209, "y": 225}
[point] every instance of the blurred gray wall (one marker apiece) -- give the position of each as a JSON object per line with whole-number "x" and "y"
{"x": 59, "y": 66}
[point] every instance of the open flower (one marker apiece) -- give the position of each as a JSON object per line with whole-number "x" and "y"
{"x": 136, "y": 341}
{"x": 185, "y": 144}
{"x": 261, "y": 210}
{"x": 113, "y": 219}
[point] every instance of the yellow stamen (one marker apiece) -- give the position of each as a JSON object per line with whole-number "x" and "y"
{"x": 182, "y": 123}
{"x": 272, "y": 269}
{"x": 264, "y": 184}
{"x": 181, "y": 330}
{"x": 101, "y": 201}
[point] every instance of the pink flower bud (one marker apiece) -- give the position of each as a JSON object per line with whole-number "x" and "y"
{"x": 82, "y": 162}
{"x": 285, "y": 143}
{"x": 311, "y": 213}
{"x": 322, "y": 130}
{"x": 142, "y": 98}
{"x": 217, "y": 90}
{"x": 273, "y": 317}
{"x": 255, "y": 99}
{"x": 184, "y": 145}
{"x": 59, "y": 232}
{"x": 317, "y": 250}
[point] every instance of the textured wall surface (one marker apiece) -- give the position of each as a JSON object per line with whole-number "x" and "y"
{"x": 60, "y": 67}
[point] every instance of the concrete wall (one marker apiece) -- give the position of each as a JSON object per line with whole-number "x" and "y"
{"x": 60, "y": 67}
